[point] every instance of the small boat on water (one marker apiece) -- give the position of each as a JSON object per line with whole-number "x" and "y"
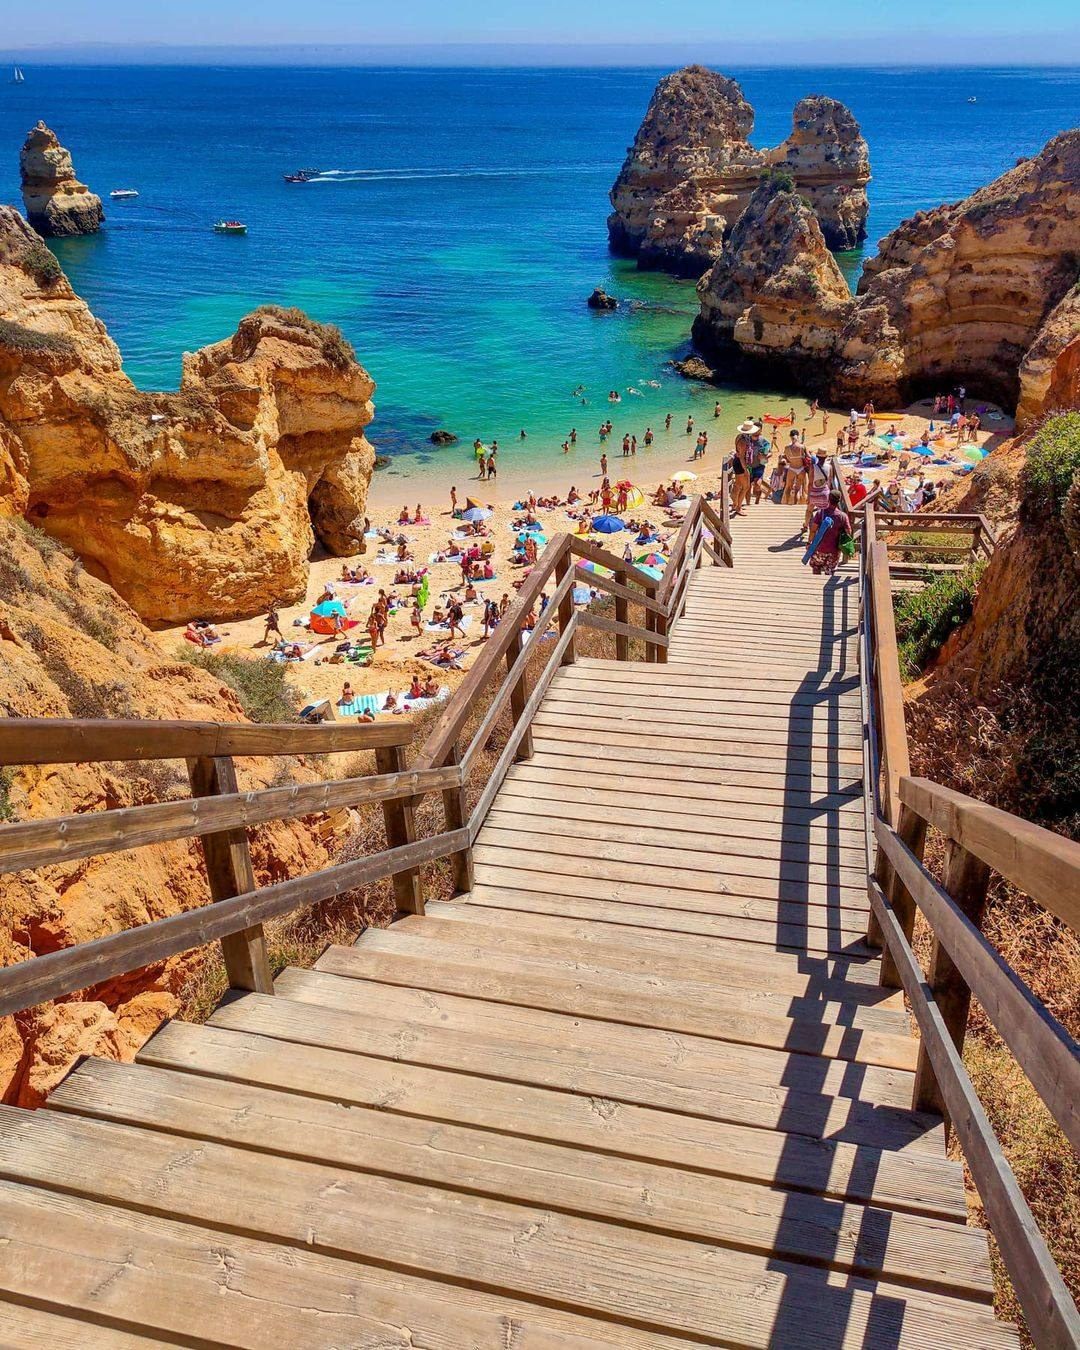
{"x": 230, "y": 227}
{"x": 18, "y": 77}
{"x": 301, "y": 176}
{"x": 123, "y": 194}
{"x": 973, "y": 99}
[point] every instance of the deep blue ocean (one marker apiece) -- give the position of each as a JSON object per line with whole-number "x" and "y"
{"x": 462, "y": 225}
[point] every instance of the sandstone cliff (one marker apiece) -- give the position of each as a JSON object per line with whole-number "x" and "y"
{"x": 692, "y": 170}
{"x": 1050, "y": 370}
{"x": 70, "y": 647}
{"x": 956, "y": 295}
{"x": 203, "y": 502}
{"x": 56, "y": 202}
{"x": 775, "y": 295}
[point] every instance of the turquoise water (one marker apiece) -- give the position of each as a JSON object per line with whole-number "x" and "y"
{"x": 465, "y": 227}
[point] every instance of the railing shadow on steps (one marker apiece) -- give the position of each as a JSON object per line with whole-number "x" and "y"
{"x": 218, "y": 814}
{"x": 980, "y": 840}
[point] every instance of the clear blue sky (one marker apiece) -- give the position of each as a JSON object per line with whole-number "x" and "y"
{"x": 871, "y": 32}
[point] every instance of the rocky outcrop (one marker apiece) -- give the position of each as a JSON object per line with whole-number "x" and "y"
{"x": 601, "y": 300}
{"x": 775, "y": 298}
{"x": 1050, "y": 370}
{"x": 203, "y": 502}
{"x": 56, "y": 202}
{"x": 70, "y": 647}
{"x": 956, "y": 296}
{"x": 691, "y": 172}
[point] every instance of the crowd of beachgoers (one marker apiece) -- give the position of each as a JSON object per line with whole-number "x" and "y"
{"x": 393, "y": 628}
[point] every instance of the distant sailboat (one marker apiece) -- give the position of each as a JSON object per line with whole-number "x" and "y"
{"x": 18, "y": 77}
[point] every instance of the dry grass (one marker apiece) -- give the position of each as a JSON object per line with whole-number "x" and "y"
{"x": 981, "y": 751}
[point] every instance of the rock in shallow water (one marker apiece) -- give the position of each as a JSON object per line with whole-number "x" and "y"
{"x": 443, "y": 438}
{"x": 601, "y": 300}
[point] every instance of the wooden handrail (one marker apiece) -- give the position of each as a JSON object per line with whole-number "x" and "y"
{"x": 1042, "y": 864}
{"x": 41, "y": 843}
{"x": 57, "y": 740}
{"x": 963, "y": 963}
{"x": 58, "y": 973}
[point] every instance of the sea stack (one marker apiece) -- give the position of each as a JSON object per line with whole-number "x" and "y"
{"x": 691, "y": 172}
{"x": 56, "y": 202}
{"x": 978, "y": 292}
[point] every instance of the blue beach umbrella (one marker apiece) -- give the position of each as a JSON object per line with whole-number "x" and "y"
{"x": 329, "y": 608}
{"x": 608, "y": 525}
{"x": 651, "y": 571}
{"x": 475, "y": 513}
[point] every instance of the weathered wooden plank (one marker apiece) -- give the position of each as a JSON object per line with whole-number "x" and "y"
{"x": 751, "y": 755}
{"x": 45, "y": 977}
{"x": 627, "y": 1192}
{"x": 913, "y": 1181}
{"x": 27, "y": 1327}
{"x": 532, "y": 1251}
{"x": 185, "y": 1283}
{"x": 40, "y": 843}
{"x": 676, "y": 955}
{"x": 544, "y": 818}
{"x": 1044, "y": 865}
{"x": 230, "y": 873}
{"x": 387, "y": 958}
{"x": 60, "y": 740}
{"x": 1048, "y": 1306}
{"x": 621, "y": 630}
{"x": 1043, "y": 1048}
{"x": 749, "y": 924}
{"x": 742, "y": 1084}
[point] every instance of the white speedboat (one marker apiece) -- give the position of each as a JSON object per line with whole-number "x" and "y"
{"x": 123, "y": 194}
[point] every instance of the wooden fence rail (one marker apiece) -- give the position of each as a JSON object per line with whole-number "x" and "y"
{"x": 980, "y": 840}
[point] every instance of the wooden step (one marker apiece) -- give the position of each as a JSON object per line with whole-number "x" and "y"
{"x": 526, "y": 1251}
{"x": 914, "y": 1181}
{"x": 187, "y": 1283}
{"x": 751, "y": 926}
{"x": 541, "y": 816}
{"x": 626, "y": 970}
{"x": 675, "y": 953}
{"x": 771, "y": 729}
{"x": 742, "y": 1085}
{"x": 390, "y": 958}
{"x": 645, "y": 1195}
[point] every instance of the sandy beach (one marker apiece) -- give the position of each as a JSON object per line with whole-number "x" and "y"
{"x": 319, "y": 676}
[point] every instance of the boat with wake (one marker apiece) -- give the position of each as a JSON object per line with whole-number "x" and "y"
{"x": 230, "y": 227}
{"x": 301, "y": 175}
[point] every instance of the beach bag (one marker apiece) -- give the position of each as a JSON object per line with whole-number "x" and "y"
{"x": 847, "y": 545}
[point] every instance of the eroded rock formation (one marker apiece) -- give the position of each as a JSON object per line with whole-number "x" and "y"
{"x": 70, "y": 647}
{"x": 56, "y": 202}
{"x": 964, "y": 294}
{"x": 691, "y": 171}
{"x": 775, "y": 295}
{"x": 203, "y": 502}
{"x": 1050, "y": 370}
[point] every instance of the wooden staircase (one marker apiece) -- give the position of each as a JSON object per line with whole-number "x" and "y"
{"x": 640, "y": 1088}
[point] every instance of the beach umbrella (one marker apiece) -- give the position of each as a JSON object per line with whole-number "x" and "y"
{"x": 608, "y": 525}
{"x": 973, "y": 454}
{"x": 653, "y": 572}
{"x": 589, "y": 566}
{"x": 582, "y": 595}
{"x": 475, "y": 513}
{"x": 634, "y": 498}
{"x": 652, "y": 560}
{"x": 329, "y": 608}
{"x": 684, "y": 476}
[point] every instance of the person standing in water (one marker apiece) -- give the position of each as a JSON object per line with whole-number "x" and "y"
{"x": 667, "y": 422}
{"x": 603, "y": 465}
{"x": 690, "y": 426}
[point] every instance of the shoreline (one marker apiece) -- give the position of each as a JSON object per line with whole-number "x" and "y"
{"x": 319, "y": 677}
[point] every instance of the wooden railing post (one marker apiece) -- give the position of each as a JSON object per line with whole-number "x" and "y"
{"x": 566, "y": 605}
{"x": 966, "y": 880}
{"x": 456, "y": 815}
{"x": 519, "y": 697}
{"x": 651, "y": 617}
{"x": 229, "y": 871}
{"x": 622, "y": 615}
{"x": 400, "y": 820}
{"x": 912, "y": 830}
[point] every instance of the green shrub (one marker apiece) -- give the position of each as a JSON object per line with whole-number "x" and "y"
{"x": 260, "y": 685}
{"x": 42, "y": 265}
{"x": 924, "y": 619}
{"x": 1053, "y": 462}
{"x": 780, "y": 179}
{"x": 335, "y": 347}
